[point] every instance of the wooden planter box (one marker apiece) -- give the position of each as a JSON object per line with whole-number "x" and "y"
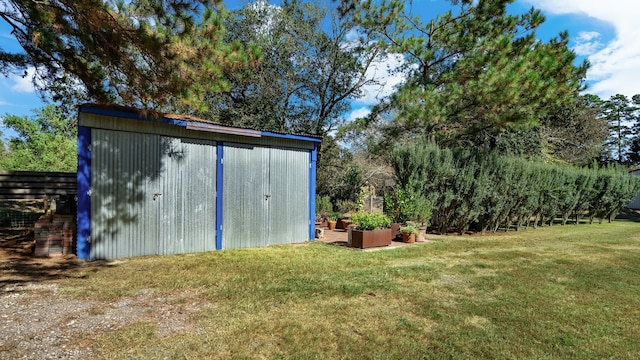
{"x": 395, "y": 231}
{"x": 372, "y": 238}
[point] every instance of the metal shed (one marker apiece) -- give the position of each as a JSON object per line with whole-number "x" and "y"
{"x": 172, "y": 184}
{"x": 635, "y": 203}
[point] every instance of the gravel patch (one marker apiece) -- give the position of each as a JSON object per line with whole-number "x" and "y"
{"x": 39, "y": 324}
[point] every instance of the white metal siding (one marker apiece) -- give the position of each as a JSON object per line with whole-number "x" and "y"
{"x": 151, "y": 194}
{"x": 125, "y": 169}
{"x": 245, "y": 197}
{"x": 265, "y": 196}
{"x": 289, "y": 207}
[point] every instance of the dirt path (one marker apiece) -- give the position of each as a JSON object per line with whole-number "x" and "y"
{"x": 37, "y": 323}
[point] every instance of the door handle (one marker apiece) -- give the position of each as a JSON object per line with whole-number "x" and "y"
{"x": 266, "y": 197}
{"x": 156, "y": 195}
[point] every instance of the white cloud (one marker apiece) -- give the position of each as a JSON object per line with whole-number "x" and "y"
{"x": 586, "y": 43}
{"x": 358, "y": 113}
{"x": 386, "y": 79}
{"x": 23, "y": 84}
{"x": 615, "y": 67}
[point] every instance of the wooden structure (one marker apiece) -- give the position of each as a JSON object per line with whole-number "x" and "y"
{"x": 36, "y": 185}
{"x": 29, "y": 185}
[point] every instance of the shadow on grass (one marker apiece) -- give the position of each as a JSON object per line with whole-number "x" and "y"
{"x": 19, "y": 268}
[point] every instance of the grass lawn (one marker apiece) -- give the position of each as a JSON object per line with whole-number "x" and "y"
{"x": 560, "y": 292}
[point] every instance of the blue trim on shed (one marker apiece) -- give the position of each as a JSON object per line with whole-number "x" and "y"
{"x": 84, "y": 172}
{"x": 83, "y": 246}
{"x": 292, "y": 137}
{"x": 219, "y": 194}
{"x": 313, "y": 158}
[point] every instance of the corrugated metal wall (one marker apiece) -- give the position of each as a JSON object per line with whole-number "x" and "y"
{"x": 151, "y": 194}
{"x": 187, "y": 216}
{"x": 245, "y": 203}
{"x": 265, "y": 198}
{"x": 155, "y": 127}
{"x": 289, "y": 181}
{"x": 125, "y": 169}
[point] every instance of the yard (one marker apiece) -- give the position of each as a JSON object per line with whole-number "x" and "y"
{"x": 555, "y": 292}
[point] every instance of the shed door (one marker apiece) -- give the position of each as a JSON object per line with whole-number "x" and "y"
{"x": 266, "y": 196}
{"x": 151, "y": 195}
{"x": 187, "y": 197}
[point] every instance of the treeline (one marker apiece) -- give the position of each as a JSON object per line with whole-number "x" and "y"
{"x": 483, "y": 191}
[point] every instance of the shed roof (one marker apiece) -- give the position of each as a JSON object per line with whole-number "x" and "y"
{"x": 187, "y": 121}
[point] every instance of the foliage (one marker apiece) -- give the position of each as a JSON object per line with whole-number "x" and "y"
{"x": 350, "y": 186}
{"x": 423, "y": 210}
{"x": 371, "y": 221}
{"x": 346, "y": 206}
{"x": 485, "y": 191}
{"x": 333, "y": 216}
{"x": 471, "y": 74}
{"x": 573, "y": 132}
{"x": 309, "y": 73}
{"x": 409, "y": 229}
{"x": 148, "y": 53}
{"x": 45, "y": 142}
{"x": 406, "y": 204}
{"x": 338, "y": 175}
{"x": 323, "y": 205}
{"x": 620, "y": 113}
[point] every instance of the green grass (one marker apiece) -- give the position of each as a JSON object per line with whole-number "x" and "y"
{"x": 559, "y": 292}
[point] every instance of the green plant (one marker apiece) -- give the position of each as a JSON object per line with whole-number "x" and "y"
{"x": 399, "y": 205}
{"x": 333, "y": 216}
{"x": 422, "y": 210}
{"x": 345, "y": 206}
{"x": 323, "y": 205}
{"x": 409, "y": 229}
{"x": 371, "y": 221}
{"x": 407, "y": 204}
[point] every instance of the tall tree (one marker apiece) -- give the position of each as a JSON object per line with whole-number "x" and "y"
{"x": 44, "y": 142}
{"x": 633, "y": 153}
{"x": 470, "y": 73}
{"x": 574, "y": 132}
{"x": 620, "y": 113}
{"x": 148, "y": 53}
{"x": 310, "y": 70}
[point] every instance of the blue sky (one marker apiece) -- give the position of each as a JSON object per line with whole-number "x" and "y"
{"x": 604, "y": 32}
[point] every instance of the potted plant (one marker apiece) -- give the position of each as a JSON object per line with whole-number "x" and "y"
{"x": 409, "y": 233}
{"x": 422, "y": 215}
{"x": 332, "y": 218}
{"x": 400, "y": 207}
{"x": 372, "y": 230}
{"x": 323, "y": 209}
{"x": 345, "y": 223}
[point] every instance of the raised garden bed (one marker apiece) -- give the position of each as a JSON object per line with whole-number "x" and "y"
{"x": 370, "y": 238}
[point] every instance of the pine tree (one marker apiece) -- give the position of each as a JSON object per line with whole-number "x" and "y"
{"x": 148, "y": 53}
{"x": 620, "y": 113}
{"x": 471, "y": 72}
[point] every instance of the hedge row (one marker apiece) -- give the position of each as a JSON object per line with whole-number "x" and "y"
{"x": 477, "y": 190}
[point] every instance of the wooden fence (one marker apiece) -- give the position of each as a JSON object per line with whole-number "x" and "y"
{"x": 37, "y": 185}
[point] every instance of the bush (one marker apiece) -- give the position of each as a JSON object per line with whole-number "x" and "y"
{"x": 407, "y": 204}
{"x": 409, "y": 229}
{"x": 323, "y": 205}
{"x": 482, "y": 190}
{"x": 345, "y": 206}
{"x": 371, "y": 221}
